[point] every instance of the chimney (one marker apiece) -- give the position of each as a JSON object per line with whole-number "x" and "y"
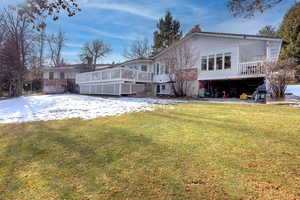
{"x": 196, "y": 29}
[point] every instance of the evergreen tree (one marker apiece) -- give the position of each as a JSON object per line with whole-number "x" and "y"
{"x": 267, "y": 31}
{"x": 289, "y": 31}
{"x": 168, "y": 32}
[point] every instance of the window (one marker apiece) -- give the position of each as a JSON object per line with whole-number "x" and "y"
{"x": 158, "y": 89}
{"x": 157, "y": 68}
{"x": 144, "y": 68}
{"x": 51, "y": 75}
{"x": 62, "y": 75}
{"x": 227, "y": 64}
{"x": 211, "y": 62}
{"x": 203, "y": 63}
{"x": 219, "y": 61}
{"x": 167, "y": 69}
{"x": 163, "y": 87}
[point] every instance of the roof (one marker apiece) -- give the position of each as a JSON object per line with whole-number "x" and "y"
{"x": 72, "y": 67}
{"x": 239, "y": 35}
{"x": 197, "y": 31}
{"x": 142, "y": 59}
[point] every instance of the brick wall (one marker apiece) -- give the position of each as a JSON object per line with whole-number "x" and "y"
{"x": 189, "y": 74}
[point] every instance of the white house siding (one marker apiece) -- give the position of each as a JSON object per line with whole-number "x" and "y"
{"x": 240, "y": 49}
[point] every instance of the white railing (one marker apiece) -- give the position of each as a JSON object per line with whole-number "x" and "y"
{"x": 255, "y": 68}
{"x": 114, "y": 75}
{"x": 111, "y": 88}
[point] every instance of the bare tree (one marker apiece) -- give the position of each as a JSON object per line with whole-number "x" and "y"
{"x": 248, "y": 8}
{"x": 138, "y": 49}
{"x": 16, "y": 48}
{"x": 91, "y": 52}
{"x": 178, "y": 61}
{"x": 56, "y": 43}
{"x": 41, "y": 46}
{"x": 278, "y": 74}
{"x": 38, "y": 10}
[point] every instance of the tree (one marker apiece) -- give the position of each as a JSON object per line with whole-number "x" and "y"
{"x": 289, "y": 31}
{"x": 41, "y": 46}
{"x": 56, "y": 43}
{"x": 178, "y": 61}
{"x": 91, "y": 52}
{"x": 248, "y": 8}
{"x": 168, "y": 31}
{"x": 278, "y": 74}
{"x": 15, "y": 49}
{"x": 138, "y": 49}
{"x": 268, "y": 30}
{"x": 38, "y": 10}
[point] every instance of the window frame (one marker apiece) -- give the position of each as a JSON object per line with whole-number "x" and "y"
{"x": 209, "y": 62}
{"x": 145, "y": 67}
{"x": 51, "y": 75}
{"x": 202, "y": 62}
{"x": 219, "y": 66}
{"x": 226, "y": 55}
{"x": 62, "y": 75}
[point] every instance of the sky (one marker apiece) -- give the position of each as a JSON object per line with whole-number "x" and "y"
{"x": 121, "y": 22}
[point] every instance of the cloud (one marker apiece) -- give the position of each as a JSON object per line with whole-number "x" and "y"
{"x": 70, "y": 53}
{"x": 76, "y": 45}
{"x": 121, "y": 36}
{"x": 131, "y": 9}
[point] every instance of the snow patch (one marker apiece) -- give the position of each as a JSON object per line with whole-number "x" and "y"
{"x": 295, "y": 89}
{"x": 55, "y": 107}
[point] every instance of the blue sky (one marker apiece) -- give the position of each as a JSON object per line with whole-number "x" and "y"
{"x": 120, "y": 22}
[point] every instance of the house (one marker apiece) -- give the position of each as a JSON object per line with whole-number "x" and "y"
{"x": 62, "y": 79}
{"x": 219, "y": 64}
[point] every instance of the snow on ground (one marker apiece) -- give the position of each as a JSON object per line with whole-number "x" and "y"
{"x": 54, "y": 107}
{"x": 295, "y": 89}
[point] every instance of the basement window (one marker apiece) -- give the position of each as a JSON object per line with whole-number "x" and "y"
{"x": 219, "y": 61}
{"x": 211, "y": 62}
{"x": 203, "y": 63}
{"x": 227, "y": 64}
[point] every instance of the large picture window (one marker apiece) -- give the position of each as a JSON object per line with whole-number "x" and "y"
{"x": 203, "y": 63}
{"x": 219, "y": 61}
{"x": 227, "y": 64}
{"x": 211, "y": 62}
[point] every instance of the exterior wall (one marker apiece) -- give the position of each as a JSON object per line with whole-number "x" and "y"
{"x": 247, "y": 57}
{"x": 241, "y": 50}
{"x": 54, "y": 86}
{"x": 137, "y": 65}
{"x": 58, "y": 85}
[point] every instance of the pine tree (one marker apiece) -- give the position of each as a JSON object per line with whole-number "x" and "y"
{"x": 267, "y": 31}
{"x": 289, "y": 31}
{"x": 168, "y": 32}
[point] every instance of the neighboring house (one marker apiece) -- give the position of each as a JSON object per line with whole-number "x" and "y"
{"x": 62, "y": 79}
{"x": 222, "y": 63}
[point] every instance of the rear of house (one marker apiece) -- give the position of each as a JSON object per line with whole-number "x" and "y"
{"x": 224, "y": 65}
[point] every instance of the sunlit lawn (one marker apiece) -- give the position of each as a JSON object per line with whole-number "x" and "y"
{"x": 185, "y": 151}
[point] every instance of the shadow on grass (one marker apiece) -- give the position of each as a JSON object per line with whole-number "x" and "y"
{"x": 66, "y": 161}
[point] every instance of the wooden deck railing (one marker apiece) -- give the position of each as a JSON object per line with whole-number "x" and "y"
{"x": 255, "y": 68}
{"x": 113, "y": 75}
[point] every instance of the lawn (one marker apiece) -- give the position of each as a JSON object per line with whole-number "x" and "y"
{"x": 184, "y": 151}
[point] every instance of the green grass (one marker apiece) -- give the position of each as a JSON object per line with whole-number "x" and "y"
{"x": 186, "y": 151}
